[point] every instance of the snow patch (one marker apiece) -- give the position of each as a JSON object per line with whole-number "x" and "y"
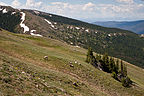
{"x": 4, "y": 11}
{"x": 26, "y": 28}
{"x": 50, "y": 15}
{"x": 71, "y": 43}
{"x": 109, "y": 35}
{"x": 13, "y": 13}
{"x": 87, "y": 30}
{"x": 50, "y": 23}
{"x": 77, "y": 46}
{"x": 1, "y": 9}
{"x": 36, "y": 12}
{"x": 77, "y": 28}
{"x": 32, "y": 33}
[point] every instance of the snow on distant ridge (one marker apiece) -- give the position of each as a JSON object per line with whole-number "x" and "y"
{"x": 13, "y": 13}
{"x": 77, "y": 28}
{"x": 48, "y": 21}
{"x": 50, "y": 15}
{"x": 4, "y": 11}
{"x": 26, "y": 28}
{"x": 37, "y": 12}
{"x": 32, "y": 33}
{"x": 1, "y": 9}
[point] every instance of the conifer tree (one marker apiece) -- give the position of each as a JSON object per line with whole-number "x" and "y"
{"x": 106, "y": 62}
{"x": 89, "y": 55}
{"x": 111, "y": 65}
{"x": 122, "y": 68}
{"x": 117, "y": 66}
{"x": 125, "y": 70}
{"x": 91, "y": 58}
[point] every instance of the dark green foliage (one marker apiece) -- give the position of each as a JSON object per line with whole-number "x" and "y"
{"x": 114, "y": 75}
{"x": 91, "y": 58}
{"x": 123, "y": 69}
{"x": 9, "y": 21}
{"x": 117, "y": 66}
{"x": 106, "y": 64}
{"x": 126, "y": 82}
{"x": 109, "y": 65}
{"x": 89, "y": 55}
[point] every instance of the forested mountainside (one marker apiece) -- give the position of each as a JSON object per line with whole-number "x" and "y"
{"x": 116, "y": 42}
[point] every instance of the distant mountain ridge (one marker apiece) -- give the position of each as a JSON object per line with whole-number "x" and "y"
{"x": 134, "y": 26}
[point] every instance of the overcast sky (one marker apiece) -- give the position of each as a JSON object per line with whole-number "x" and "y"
{"x": 86, "y": 10}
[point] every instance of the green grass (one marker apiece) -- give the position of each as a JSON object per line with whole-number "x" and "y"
{"x": 25, "y": 72}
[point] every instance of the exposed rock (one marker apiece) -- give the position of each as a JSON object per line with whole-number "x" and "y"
{"x": 71, "y": 65}
{"x": 45, "y": 57}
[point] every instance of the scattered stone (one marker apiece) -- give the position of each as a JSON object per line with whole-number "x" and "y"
{"x": 45, "y": 57}
{"x": 76, "y": 62}
{"x": 37, "y": 86}
{"x": 71, "y": 65}
{"x": 23, "y": 72}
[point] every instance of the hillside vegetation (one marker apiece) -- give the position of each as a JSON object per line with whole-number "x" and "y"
{"x": 24, "y": 71}
{"x": 116, "y": 42}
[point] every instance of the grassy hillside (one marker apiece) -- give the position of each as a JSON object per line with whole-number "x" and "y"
{"x": 119, "y": 43}
{"x": 23, "y": 71}
{"x": 116, "y": 42}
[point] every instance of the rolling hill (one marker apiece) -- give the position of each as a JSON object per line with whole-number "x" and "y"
{"x": 24, "y": 71}
{"x": 116, "y": 42}
{"x": 134, "y": 26}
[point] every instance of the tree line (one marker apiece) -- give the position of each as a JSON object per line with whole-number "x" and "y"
{"x": 108, "y": 64}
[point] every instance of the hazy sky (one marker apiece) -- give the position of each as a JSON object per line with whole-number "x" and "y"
{"x": 87, "y": 10}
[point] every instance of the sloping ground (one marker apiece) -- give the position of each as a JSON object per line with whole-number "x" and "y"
{"x": 116, "y": 42}
{"x": 120, "y": 43}
{"x": 23, "y": 71}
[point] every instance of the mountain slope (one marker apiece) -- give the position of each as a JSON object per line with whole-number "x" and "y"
{"x": 25, "y": 72}
{"x": 116, "y": 42}
{"x": 134, "y": 26}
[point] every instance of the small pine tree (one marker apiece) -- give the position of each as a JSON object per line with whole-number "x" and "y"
{"x": 114, "y": 75}
{"x": 126, "y": 82}
{"x": 122, "y": 68}
{"x": 117, "y": 66}
{"x": 125, "y": 70}
{"x": 111, "y": 65}
{"x": 89, "y": 55}
{"x": 98, "y": 57}
{"x": 91, "y": 58}
{"x": 105, "y": 64}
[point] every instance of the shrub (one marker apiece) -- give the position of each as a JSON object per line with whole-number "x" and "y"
{"x": 114, "y": 75}
{"x": 126, "y": 82}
